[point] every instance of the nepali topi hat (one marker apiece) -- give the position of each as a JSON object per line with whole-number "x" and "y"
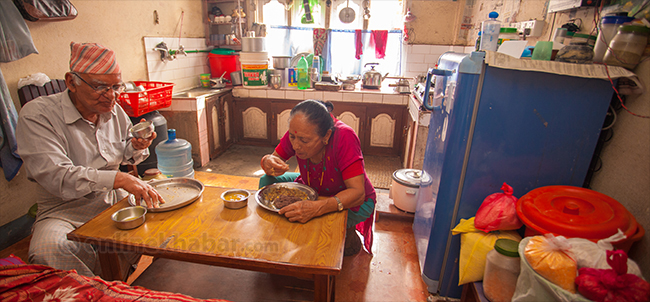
{"x": 92, "y": 58}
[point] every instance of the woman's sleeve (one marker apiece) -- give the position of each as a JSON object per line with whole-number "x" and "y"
{"x": 284, "y": 148}
{"x": 348, "y": 153}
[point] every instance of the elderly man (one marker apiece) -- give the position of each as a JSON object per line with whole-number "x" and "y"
{"x": 72, "y": 144}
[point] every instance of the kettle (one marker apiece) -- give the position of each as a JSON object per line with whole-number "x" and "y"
{"x": 372, "y": 79}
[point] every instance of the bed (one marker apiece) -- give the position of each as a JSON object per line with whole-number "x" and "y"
{"x": 32, "y": 282}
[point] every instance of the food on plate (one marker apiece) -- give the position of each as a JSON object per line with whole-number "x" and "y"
{"x": 281, "y": 197}
{"x": 283, "y": 201}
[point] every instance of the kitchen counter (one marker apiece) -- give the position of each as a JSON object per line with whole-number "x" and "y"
{"x": 384, "y": 95}
{"x": 187, "y": 114}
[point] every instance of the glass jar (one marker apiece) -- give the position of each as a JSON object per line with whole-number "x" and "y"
{"x": 627, "y": 46}
{"x": 607, "y": 29}
{"x": 501, "y": 271}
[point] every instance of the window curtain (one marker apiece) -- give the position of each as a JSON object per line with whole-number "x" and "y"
{"x": 339, "y": 50}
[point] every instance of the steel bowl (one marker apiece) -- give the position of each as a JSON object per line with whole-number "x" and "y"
{"x": 281, "y": 62}
{"x": 235, "y": 203}
{"x": 129, "y": 217}
{"x": 143, "y": 129}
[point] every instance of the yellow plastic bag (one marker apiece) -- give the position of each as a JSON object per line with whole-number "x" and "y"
{"x": 474, "y": 246}
{"x": 549, "y": 257}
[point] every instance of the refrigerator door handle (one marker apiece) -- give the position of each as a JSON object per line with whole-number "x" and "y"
{"x": 439, "y": 72}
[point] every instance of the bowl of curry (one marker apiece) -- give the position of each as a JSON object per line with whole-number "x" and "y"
{"x": 235, "y": 199}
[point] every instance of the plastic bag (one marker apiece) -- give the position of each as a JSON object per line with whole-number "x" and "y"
{"x": 37, "y": 79}
{"x": 15, "y": 38}
{"x": 613, "y": 284}
{"x": 594, "y": 255}
{"x": 474, "y": 246}
{"x": 498, "y": 212}
{"x": 532, "y": 287}
{"x": 549, "y": 256}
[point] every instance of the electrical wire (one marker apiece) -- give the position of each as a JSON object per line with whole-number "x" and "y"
{"x": 619, "y": 95}
{"x": 613, "y": 121}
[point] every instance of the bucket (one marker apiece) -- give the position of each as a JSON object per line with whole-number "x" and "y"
{"x": 220, "y": 63}
{"x": 254, "y": 66}
{"x": 577, "y": 212}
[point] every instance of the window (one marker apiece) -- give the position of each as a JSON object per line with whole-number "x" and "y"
{"x": 340, "y": 50}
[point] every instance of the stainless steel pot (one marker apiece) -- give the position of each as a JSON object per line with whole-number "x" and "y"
{"x": 281, "y": 62}
{"x": 372, "y": 79}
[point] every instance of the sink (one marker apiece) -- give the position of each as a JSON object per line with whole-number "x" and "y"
{"x": 197, "y": 92}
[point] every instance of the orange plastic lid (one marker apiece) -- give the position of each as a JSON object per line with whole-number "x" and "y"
{"x": 574, "y": 212}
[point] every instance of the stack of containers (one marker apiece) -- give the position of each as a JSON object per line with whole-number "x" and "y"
{"x": 254, "y": 62}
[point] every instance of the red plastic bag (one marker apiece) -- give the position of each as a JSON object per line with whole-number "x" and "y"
{"x": 498, "y": 212}
{"x": 612, "y": 284}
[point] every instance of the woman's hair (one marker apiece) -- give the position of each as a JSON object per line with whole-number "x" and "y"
{"x": 317, "y": 113}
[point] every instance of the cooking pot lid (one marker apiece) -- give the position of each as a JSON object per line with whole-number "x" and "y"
{"x": 574, "y": 212}
{"x": 411, "y": 177}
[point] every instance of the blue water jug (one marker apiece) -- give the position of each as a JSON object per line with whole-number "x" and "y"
{"x": 175, "y": 156}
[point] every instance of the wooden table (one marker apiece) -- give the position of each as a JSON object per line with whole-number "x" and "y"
{"x": 250, "y": 238}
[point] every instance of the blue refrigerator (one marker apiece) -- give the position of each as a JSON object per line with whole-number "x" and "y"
{"x": 492, "y": 125}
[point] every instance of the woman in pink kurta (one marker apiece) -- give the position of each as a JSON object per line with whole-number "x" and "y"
{"x": 330, "y": 161}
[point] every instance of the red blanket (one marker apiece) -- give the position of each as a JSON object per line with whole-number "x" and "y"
{"x": 42, "y": 283}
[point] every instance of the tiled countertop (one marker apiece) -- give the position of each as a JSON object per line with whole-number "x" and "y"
{"x": 385, "y": 95}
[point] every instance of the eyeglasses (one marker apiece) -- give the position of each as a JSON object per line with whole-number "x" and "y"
{"x": 102, "y": 89}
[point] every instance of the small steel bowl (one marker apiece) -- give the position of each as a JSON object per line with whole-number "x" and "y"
{"x": 143, "y": 129}
{"x": 129, "y": 217}
{"x": 238, "y": 203}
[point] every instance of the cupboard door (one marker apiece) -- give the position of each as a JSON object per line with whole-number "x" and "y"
{"x": 280, "y": 120}
{"x": 353, "y": 116}
{"x": 384, "y": 130}
{"x": 212, "y": 115}
{"x": 227, "y": 120}
{"x": 253, "y": 120}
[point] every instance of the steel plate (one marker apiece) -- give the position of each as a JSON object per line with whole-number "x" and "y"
{"x": 177, "y": 193}
{"x": 260, "y": 196}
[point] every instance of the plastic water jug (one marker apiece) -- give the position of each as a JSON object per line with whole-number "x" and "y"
{"x": 175, "y": 156}
{"x": 490, "y": 32}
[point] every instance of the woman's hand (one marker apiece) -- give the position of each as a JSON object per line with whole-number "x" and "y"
{"x": 139, "y": 189}
{"x": 274, "y": 165}
{"x": 303, "y": 211}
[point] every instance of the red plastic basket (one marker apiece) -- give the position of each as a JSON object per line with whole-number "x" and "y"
{"x": 155, "y": 96}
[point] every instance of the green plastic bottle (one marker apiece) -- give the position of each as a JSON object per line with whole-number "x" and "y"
{"x": 303, "y": 75}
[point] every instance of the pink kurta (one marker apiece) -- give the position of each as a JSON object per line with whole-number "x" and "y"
{"x": 343, "y": 151}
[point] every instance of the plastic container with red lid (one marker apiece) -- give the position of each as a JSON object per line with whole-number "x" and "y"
{"x": 577, "y": 212}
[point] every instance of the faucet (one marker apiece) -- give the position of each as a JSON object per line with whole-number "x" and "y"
{"x": 164, "y": 52}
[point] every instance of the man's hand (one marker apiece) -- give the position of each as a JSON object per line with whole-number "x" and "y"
{"x": 143, "y": 143}
{"x": 139, "y": 189}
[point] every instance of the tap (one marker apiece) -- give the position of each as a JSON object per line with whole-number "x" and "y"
{"x": 164, "y": 52}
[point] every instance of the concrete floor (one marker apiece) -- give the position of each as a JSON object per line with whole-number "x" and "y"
{"x": 242, "y": 160}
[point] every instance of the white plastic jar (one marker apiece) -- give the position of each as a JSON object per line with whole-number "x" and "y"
{"x": 627, "y": 46}
{"x": 501, "y": 271}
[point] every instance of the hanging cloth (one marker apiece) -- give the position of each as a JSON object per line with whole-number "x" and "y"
{"x": 15, "y": 43}
{"x": 320, "y": 37}
{"x": 378, "y": 39}
{"x": 358, "y": 43}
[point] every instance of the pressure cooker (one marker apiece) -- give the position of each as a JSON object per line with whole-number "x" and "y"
{"x": 372, "y": 79}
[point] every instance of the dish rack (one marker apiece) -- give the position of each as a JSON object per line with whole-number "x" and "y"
{"x": 156, "y": 95}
